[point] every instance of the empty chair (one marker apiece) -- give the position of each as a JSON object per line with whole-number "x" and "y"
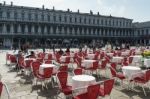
{"x": 48, "y": 61}
{"x": 106, "y": 88}
{"x": 116, "y": 74}
{"x": 46, "y": 76}
{"x": 63, "y": 68}
{"x": 78, "y": 71}
{"x": 4, "y": 92}
{"x": 62, "y": 82}
{"x": 92, "y": 93}
{"x": 143, "y": 80}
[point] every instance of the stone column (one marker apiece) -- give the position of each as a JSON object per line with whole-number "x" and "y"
{"x": 19, "y": 29}
{"x": 12, "y": 29}
{"x": 4, "y": 28}
{"x": 68, "y": 30}
{"x": 100, "y": 32}
{"x": 45, "y": 30}
{"x": 33, "y": 29}
{"x": 39, "y": 29}
{"x": 91, "y": 31}
{"x": 82, "y": 32}
{"x": 57, "y": 30}
{"x": 78, "y": 31}
{"x": 26, "y": 29}
{"x": 51, "y": 30}
{"x": 62, "y": 30}
{"x": 87, "y": 31}
{"x": 73, "y": 31}
{"x": 96, "y": 32}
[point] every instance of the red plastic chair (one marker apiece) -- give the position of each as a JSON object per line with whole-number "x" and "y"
{"x": 143, "y": 80}
{"x": 35, "y": 67}
{"x": 92, "y": 93}
{"x": 130, "y": 59}
{"x": 102, "y": 66}
{"x": 63, "y": 68}
{"x": 94, "y": 67}
{"x": 2, "y": 87}
{"x": 64, "y": 88}
{"x": 48, "y": 61}
{"x": 46, "y": 76}
{"x": 106, "y": 88}
{"x": 78, "y": 71}
{"x": 116, "y": 74}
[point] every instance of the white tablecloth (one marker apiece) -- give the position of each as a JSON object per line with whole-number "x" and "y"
{"x": 82, "y": 81}
{"x": 90, "y": 56}
{"x": 147, "y": 62}
{"x": 87, "y": 63}
{"x": 117, "y": 59}
{"x": 136, "y": 59}
{"x": 131, "y": 71}
{"x": 110, "y": 54}
{"x": 63, "y": 58}
{"x": 26, "y": 59}
{"x": 124, "y": 53}
{"x": 55, "y": 68}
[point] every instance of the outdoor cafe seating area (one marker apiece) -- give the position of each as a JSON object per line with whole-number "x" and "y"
{"x": 93, "y": 73}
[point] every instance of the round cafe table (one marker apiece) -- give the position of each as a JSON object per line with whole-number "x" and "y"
{"x": 82, "y": 81}
{"x": 55, "y": 68}
{"x": 87, "y": 63}
{"x": 131, "y": 71}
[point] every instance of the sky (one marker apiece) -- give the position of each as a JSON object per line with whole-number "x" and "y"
{"x": 138, "y": 10}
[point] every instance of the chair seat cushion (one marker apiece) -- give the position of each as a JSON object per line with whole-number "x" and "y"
{"x": 120, "y": 75}
{"x": 101, "y": 91}
{"x": 81, "y": 96}
{"x": 67, "y": 90}
{"x": 139, "y": 80}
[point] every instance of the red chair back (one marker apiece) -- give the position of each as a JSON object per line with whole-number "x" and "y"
{"x": 13, "y": 59}
{"x": 93, "y": 91}
{"x": 62, "y": 77}
{"x": 35, "y": 67}
{"x": 48, "y": 72}
{"x": 130, "y": 60}
{"x": 63, "y": 68}
{"x": 108, "y": 85}
{"x": 103, "y": 64}
{"x": 78, "y": 71}
{"x": 48, "y": 62}
{"x": 95, "y": 65}
{"x": 1, "y": 88}
{"x": 28, "y": 63}
{"x": 113, "y": 70}
{"x": 147, "y": 75}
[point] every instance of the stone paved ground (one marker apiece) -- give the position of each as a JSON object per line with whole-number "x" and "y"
{"x": 20, "y": 90}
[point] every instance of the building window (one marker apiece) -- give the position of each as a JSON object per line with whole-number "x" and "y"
{"x": 70, "y": 19}
{"x": 84, "y": 20}
{"x": 102, "y": 22}
{"x": 75, "y": 20}
{"x": 36, "y": 17}
{"x": 8, "y": 14}
{"x": 80, "y": 20}
{"x": 89, "y": 21}
{"x": 29, "y": 16}
{"x": 97, "y": 21}
{"x": 1, "y": 14}
{"x": 105, "y": 22}
{"x": 8, "y": 28}
{"x": 60, "y": 18}
{"x": 65, "y": 19}
{"x": 54, "y": 17}
{"x": 48, "y": 18}
{"x": 42, "y": 17}
{"x": 22, "y": 16}
{"x": 93, "y": 21}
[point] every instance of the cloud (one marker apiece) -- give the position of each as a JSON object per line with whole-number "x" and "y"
{"x": 113, "y": 7}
